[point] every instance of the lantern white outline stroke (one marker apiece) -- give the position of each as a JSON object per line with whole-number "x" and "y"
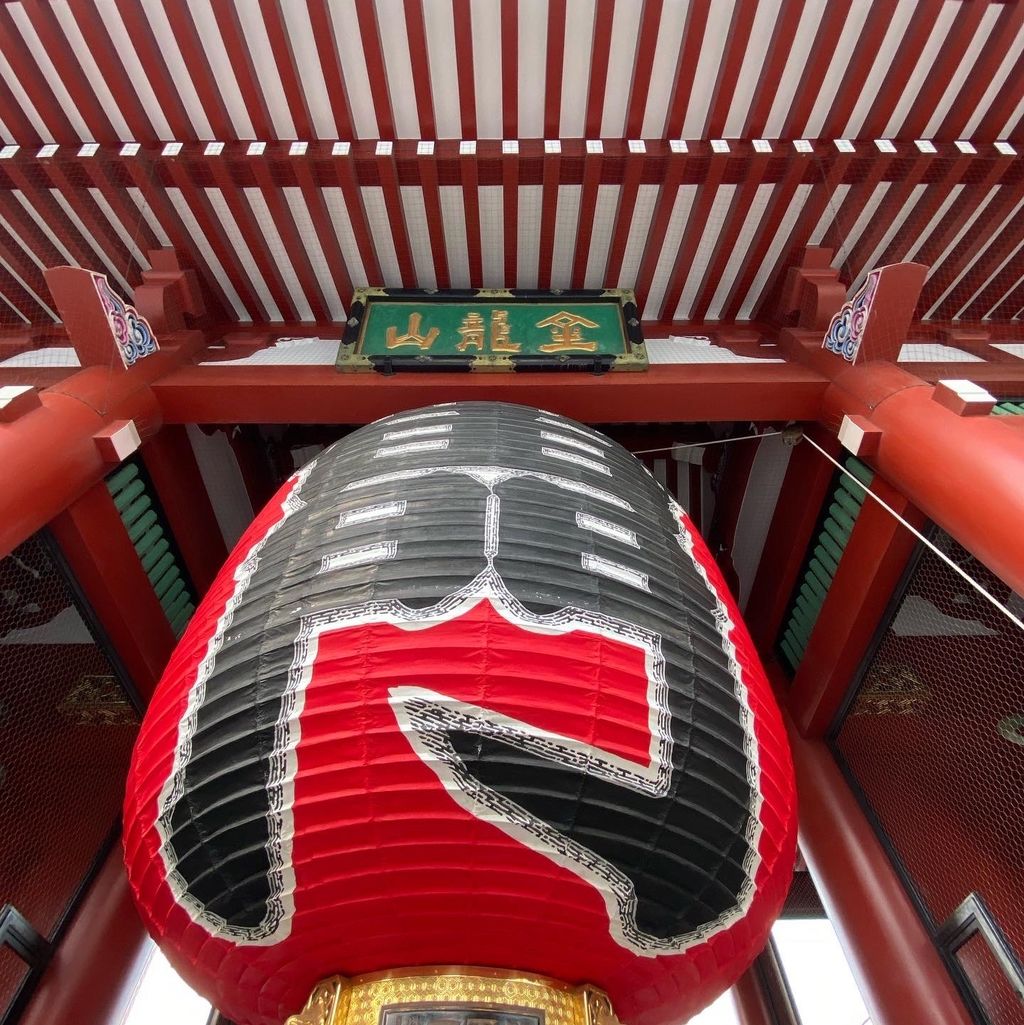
{"x": 424, "y": 716}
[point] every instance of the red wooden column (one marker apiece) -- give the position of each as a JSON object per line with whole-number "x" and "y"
{"x": 739, "y": 461}
{"x": 253, "y": 464}
{"x": 751, "y": 1006}
{"x": 796, "y": 514}
{"x": 941, "y": 463}
{"x": 875, "y": 558}
{"x": 175, "y": 473}
{"x": 964, "y": 472}
{"x": 898, "y": 969}
{"x": 103, "y": 560}
{"x": 98, "y": 961}
{"x": 52, "y": 454}
{"x": 49, "y": 456}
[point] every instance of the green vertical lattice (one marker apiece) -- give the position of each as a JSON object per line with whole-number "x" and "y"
{"x": 140, "y": 513}
{"x": 826, "y": 549}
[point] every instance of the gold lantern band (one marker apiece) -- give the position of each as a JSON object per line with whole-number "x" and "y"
{"x": 453, "y": 996}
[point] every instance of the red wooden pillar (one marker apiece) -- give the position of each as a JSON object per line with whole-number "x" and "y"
{"x": 253, "y": 464}
{"x": 963, "y": 472}
{"x": 696, "y": 493}
{"x": 103, "y": 560}
{"x": 751, "y": 1006}
{"x": 98, "y": 960}
{"x": 898, "y": 969}
{"x": 172, "y": 466}
{"x": 739, "y": 461}
{"x": 672, "y": 475}
{"x": 799, "y": 505}
{"x": 875, "y": 558}
{"x": 51, "y": 455}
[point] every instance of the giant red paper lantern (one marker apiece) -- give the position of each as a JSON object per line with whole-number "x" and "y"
{"x": 469, "y": 691}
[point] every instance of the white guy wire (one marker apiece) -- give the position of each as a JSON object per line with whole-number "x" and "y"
{"x": 704, "y": 444}
{"x": 942, "y": 555}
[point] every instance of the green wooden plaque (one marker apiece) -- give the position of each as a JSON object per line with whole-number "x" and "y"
{"x": 483, "y": 330}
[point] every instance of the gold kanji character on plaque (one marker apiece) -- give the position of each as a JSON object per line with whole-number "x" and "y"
{"x": 566, "y": 333}
{"x": 472, "y": 331}
{"x": 500, "y": 341}
{"x": 412, "y": 335}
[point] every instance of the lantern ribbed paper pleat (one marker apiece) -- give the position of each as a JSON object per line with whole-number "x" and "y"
{"x": 470, "y": 690}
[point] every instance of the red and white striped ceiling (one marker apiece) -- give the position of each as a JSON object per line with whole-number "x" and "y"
{"x": 702, "y": 230}
{"x": 149, "y": 70}
{"x": 701, "y": 236}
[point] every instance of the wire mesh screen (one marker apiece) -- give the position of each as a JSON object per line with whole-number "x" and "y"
{"x": 958, "y": 212}
{"x": 1000, "y": 1003}
{"x": 12, "y": 973}
{"x": 67, "y": 730}
{"x": 802, "y": 901}
{"x": 934, "y": 739}
{"x": 960, "y": 215}
{"x": 57, "y": 211}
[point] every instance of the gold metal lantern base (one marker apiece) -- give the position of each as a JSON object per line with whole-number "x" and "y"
{"x": 453, "y": 995}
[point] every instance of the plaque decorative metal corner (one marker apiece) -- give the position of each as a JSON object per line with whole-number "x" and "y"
{"x": 636, "y": 359}
{"x": 597, "y": 1007}
{"x": 323, "y": 1004}
{"x": 492, "y": 364}
{"x": 350, "y": 362}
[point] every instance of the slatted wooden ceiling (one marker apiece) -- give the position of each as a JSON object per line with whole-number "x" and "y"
{"x": 702, "y": 235}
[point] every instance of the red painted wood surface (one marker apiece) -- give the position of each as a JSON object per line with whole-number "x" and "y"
{"x": 98, "y": 962}
{"x": 735, "y": 476}
{"x": 51, "y": 452}
{"x": 873, "y": 561}
{"x": 204, "y": 205}
{"x": 106, "y": 566}
{"x": 241, "y": 394}
{"x": 751, "y": 1006}
{"x": 804, "y": 488}
{"x": 893, "y": 959}
{"x": 962, "y": 472}
{"x": 171, "y": 464}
